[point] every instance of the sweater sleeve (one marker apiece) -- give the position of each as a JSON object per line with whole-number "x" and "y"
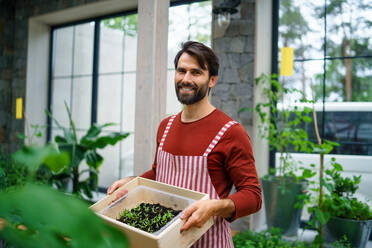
{"x": 242, "y": 171}
{"x": 151, "y": 174}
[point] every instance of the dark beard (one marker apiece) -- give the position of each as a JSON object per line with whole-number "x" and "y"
{"x": 188, "y": 99}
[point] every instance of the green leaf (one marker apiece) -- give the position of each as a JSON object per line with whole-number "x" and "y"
{"x": 306, "y": 173}
{"x": 93, "y": 159}
{"x": 307, "y": 119}
{"x": 57, "y": 162}
{"x": 60, "y": 140}
{"x": 323, "y": 217}
{"x": 337, "y": 166}
{"x": 76, "y": 157}
{"x": 103, "y": 141}
{"x": 33, "y": 156}
{"x": 94, "y": 131}
{"x": 21, "y": 136}
{"x": 245, "y": 109}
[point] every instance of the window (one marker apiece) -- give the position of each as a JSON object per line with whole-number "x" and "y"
{"x": 93, "y": 71}
{"x": 186, "y": 22}
{"x": 333, "y": 52}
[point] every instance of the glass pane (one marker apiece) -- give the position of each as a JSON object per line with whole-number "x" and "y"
{"x": 130, "y": 44}
{"x": 130, "y": 53}
{"x": 195, "y": 21}
{"x": 83, "y": 52}
{"x": 126, "y": 161}
{"x": 178, "y": 20}
{"x": 349, "y": 80}
{"x": 109, "y": 170}
{"x": 109, "y": 100}
{"x": 200, "y": 21}
{"x": 351, "y": 129}
{"x": 129, "y": 102}
{"x": 61, "y": 93}
{"x": 349, "y": 28}
{"x": 173, "y": 105}
{"x": 111, "y": 45}
{"x": 82, "y": 101}
{"x": 63, "y": 38}
{"x": 304, "y": 75}
{"x": 301, "y": 28}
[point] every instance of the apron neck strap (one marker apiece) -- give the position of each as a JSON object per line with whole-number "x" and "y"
{"x": 166, "y": 131}
{"x": 218, "y": 137}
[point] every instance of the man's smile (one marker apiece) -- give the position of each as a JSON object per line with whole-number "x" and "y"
{"x": 186, "y": 88}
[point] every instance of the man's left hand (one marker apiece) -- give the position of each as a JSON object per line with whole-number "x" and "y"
{"x": 199, "y": 212}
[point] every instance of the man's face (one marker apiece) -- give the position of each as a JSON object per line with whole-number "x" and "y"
{"x": 192, "y": 82}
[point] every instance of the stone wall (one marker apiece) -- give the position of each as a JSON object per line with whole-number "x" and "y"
{"x": 14, "y": 17}
{"x": 7, "y": 19}
{"x": 234, "y": 46}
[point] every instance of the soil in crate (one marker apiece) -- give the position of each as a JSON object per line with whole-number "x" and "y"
{"x": 148, "y": 217}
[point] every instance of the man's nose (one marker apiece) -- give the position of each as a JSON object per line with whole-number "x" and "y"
{"x": 187, "y": 77}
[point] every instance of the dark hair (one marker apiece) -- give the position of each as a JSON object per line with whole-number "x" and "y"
{"x": 204, "y": 55}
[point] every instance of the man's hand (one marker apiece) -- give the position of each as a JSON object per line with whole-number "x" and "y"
{"x": 117, "y": 184}
{"x": 199, "y": 212}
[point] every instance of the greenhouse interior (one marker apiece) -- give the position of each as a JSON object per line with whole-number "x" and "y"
{"x": 85, "y": 88}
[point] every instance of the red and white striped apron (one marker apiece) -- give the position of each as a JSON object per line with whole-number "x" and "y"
{"x": 191, "y": 172}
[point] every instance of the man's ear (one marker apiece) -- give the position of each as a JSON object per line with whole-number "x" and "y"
{"x": 212, "y": 81}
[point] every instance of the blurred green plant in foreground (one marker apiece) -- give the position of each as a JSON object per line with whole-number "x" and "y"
{"x": 37, "y": 215}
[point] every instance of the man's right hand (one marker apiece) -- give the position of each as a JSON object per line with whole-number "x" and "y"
{"x": 117, "y": 184}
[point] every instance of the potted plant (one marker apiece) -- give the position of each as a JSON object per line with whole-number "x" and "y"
{"x": 336, "y": 214}
{"x": 283, "y": 186}
{"x": 81, "y": 149}
{"x": 347, "y": 215}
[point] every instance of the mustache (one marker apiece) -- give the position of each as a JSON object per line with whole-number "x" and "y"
{"x": 191, "y": 85}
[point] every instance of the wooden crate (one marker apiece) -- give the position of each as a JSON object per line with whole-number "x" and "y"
{"x": 149, "y": 191}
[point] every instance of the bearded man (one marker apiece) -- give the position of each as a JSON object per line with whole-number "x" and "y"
{"x": 203, "y": 149}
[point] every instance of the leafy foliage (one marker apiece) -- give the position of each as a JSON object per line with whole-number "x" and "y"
{"x": 340, "y": 200}
{"x": 349, "y": 79}
{"x": 10, "y": 173}
{"x": 127, "y": 24}
{"x": 272, "y": 238}
{"x": 15, "y": 170}
{"x": 282, "y": 127}
{"x": 38, "y": 216}
{"x": 83, "y": 149}
{"x": 35, "y": 215}
{"x": 265, "y": 239}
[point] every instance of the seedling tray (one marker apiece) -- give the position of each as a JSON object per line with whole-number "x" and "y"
{"x": 148, "y": 191}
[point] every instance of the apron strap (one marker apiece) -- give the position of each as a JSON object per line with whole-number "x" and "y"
{"x": 218, "y": 137}
{"x": 166, "y": 131}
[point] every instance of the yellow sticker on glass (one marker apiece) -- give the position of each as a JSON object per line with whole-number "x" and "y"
{"x": 19, "y": 108}
{"x": 286, "y": 62}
